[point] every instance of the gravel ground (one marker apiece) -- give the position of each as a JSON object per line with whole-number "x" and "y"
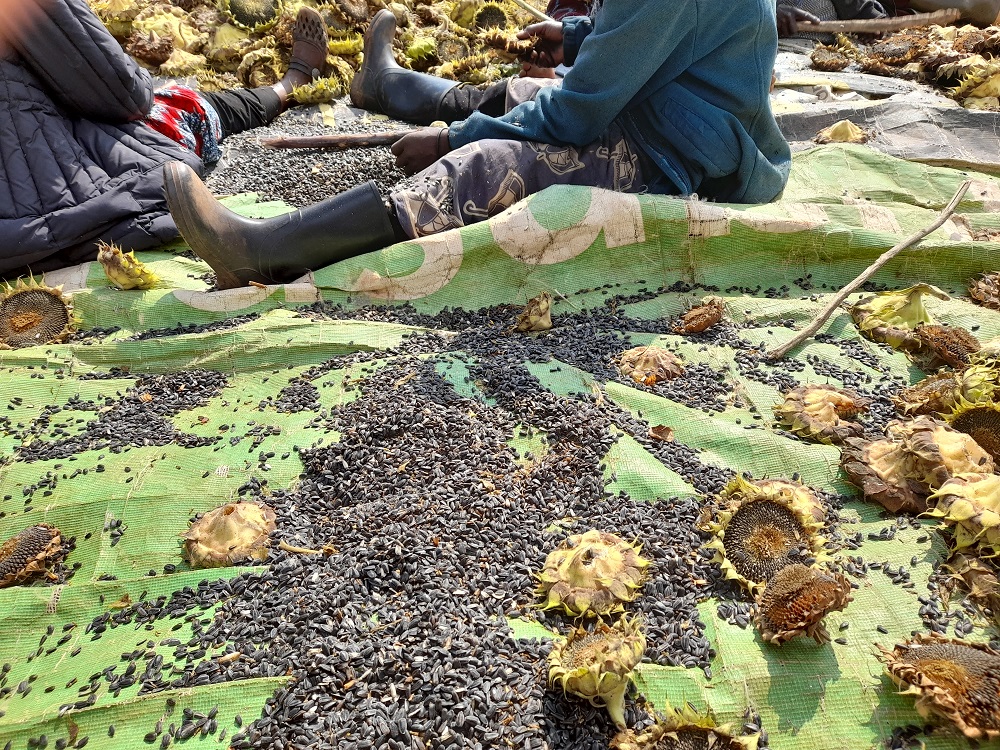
{"x": 304, "y": 176}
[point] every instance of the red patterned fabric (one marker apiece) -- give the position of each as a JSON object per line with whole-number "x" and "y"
{"x": 179, "y": 113}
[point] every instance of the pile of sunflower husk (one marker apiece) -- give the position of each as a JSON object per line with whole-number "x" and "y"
{"x": 232, "y": 43}
{"x": 963, "y": 61}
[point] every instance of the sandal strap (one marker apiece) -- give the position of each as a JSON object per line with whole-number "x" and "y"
{"x": 299, "y": 66}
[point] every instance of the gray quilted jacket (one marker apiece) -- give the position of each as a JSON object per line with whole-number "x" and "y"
{"x": 77, "y": 162}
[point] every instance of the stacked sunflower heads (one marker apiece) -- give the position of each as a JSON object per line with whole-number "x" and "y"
{"x": 822, "y": 413}
{"x": 952, "y": 680}
{"x": 592, "y": 574}
{"x": 764, "y": 526}
{"x": 916, "y": 459}
{"x": 32, "y": 313}
{"x": 229, "y": 534}
{"x": 796, "y": 600}
{"x": 29, "y": 553}
{"x": 892, "y": 317}
{"x": 686, "y": 729}
{"x": 969, "y": 504}
{"x": 597, "y": 665}
{"x": 123, "y": 270}
{"x": 648, "y": 365}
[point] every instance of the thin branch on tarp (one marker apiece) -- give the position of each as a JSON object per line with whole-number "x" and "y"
{"x": 884, "y": 258}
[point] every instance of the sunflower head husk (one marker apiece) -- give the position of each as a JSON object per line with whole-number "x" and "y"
{"x": 684, "y": 729}
{"x": 123, "y": 269}
{"x": 951, "y": 345}
{"x": 760, "y": 527}
{"x": 892, "y": 317}
{"x": 822, "y": 413}
{"x": 986, "y": 290}
{"x": 796, "y": 600}
{"x": 954, "y": 680}
{"x": 594, "y": 573}
{"x": 28, "y": 553}
{"x": 32, "y": 313}
{"x": 918, "y": 457}
{"x": 536, "y": 316}
{"x": 597, "y": 665}
{"x": 980, "y": 421}
{"x": 229, "y": 534}
{"x": 649, "y": 365}
{"x": 969, "y": 505}
{"x": 701, "y": 317}
{"x": 254, "y": 16}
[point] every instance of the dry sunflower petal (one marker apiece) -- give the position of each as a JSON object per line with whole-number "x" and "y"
{"x": 892, "y": 317}
{"x": 593, "y": 573}
{"x": 796, "y": 600}
{"x": 822, "y": 412}
{"x": 597, "y": 665}
{"x": 986, "y": 290}
{"x": 952, "y": 679}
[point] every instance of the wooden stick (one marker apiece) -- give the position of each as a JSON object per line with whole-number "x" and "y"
{"x": 534, "y": 11}
{"x": 884, "y": 258}
{"x": 341, "y": 141}
{"x": 875, "y": 25}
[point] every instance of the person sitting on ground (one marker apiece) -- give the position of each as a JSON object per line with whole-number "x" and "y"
{"x": 791, "y": 13}
{"x": 661, "y": 97}
{"x": 85, "y": 136}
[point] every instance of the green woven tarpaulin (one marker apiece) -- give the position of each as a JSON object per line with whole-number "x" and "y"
{"x": 843, "y": 207}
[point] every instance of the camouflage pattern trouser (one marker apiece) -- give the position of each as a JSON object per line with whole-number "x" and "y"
{"x": 483, "y": 178}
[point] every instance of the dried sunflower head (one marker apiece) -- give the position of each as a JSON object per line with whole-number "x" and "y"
{"x": 32, "y": 313}
{"x": 593, "y": 573}
{"x": 952, "y": 679}
{"x": 491, "y": 15}
{"x": 123, "y": 269}
{"x": 597, "y": 665}
{"x": 686, "y": 729}
{"x": 828, "y": 58}
{"x": 892, "y": 317}
{"x": 986, "y": 290}
{"x": 28, "y": 553}
{"x": 536, "y": 316}
{"x": 916, "y": 459}
{"x": 150, "y": 48}
{"x": 253, "y": 15}
{"x": 796, "y": 600}
{"x": 935, "y": 394}
{"x": 760, "y": 530}
{"x": 649, "y": 365}
{"x": 969, "y": 505}
{"x": 701, "y": 317}
{"x": 822, "y": 412}
{"x": 950, "y": 344}
{"x": 981, "y": 422}
{"x": 229, "y": 534}
{"x": 261, "y": 67}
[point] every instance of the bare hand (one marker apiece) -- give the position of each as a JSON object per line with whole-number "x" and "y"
{"x": 548, "y": 52}
{"x": 418, "y": 150}
{"x": 530, "y": 70}
{"x": 789, "y": 19}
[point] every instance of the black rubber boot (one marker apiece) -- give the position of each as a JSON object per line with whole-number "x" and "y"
{"x": 278, "y": 250}
{"x": 383, "y": 86}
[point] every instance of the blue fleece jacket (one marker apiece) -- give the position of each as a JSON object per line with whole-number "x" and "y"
{"x": 687, "y": 79}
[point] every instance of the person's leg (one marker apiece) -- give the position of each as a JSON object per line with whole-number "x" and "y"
{"x": 484, "y": 178}
{"x": 244, "y": 109}
{"x": 278, "y": 250}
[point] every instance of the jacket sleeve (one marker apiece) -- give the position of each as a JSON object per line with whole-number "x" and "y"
{"x": 850, "y": 9}
{"x": 631, "y": 40}
{"x": 81, "y": 64}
